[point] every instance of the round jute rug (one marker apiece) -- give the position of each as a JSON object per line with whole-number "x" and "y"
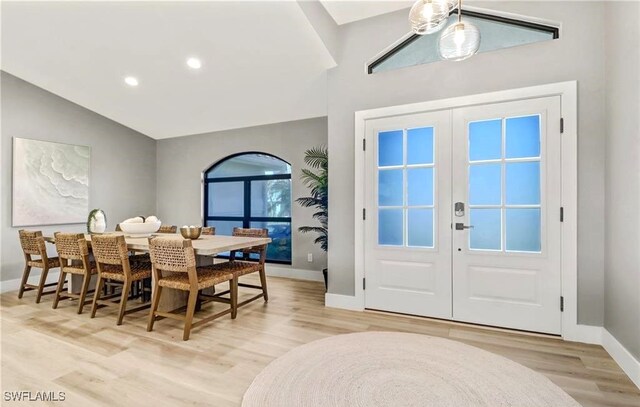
{"x": 399, "y": 369}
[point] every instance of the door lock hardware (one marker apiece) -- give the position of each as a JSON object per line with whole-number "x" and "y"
{"x": 462, "y": 226}
{"x": 459, "y": 209}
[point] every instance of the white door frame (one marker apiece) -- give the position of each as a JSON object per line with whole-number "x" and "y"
{"x": 568, "y": 92}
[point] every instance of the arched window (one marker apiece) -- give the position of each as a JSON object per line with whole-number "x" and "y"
{"x": 251, "y": 190}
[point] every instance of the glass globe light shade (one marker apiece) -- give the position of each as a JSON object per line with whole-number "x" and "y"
{"x": 459, "y": 41}
{"x": 453, "y": 4}
{"x": 428, "y": 16}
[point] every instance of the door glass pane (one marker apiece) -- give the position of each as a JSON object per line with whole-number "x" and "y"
{"x": 486, "y": 231}
{"x": 390, "y": 148}
{"x": 523, "y": 230}
{"x": 420, "y": 146}
{"x": 390, "y": 227}
{"x": 485, "y": 140}
{"x": 420, "y": 224}
{"x": 271, "y": 198}
{"x": 420, "y": 186}
{"x": 523, "y": 183}
{"x": 390, "y": 188}
{"x": 228, "y": 198}
{"x": 485, "y": 184}
{"x": 523, "y": 137}
{"x": 280, "y": 234}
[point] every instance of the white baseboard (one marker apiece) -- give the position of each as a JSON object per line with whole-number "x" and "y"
{"x": 298, "y": 274}
{"x": 349, "y": 302}
{"x": 14, "y": 285}
{"x": 622, "y": 356}
{"x": 584, "y": 334}
{"x": 9, "y": 285}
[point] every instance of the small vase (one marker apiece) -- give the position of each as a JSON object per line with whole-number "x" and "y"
{"x": 99, "y": 226}
{"x": 97, "y": 222}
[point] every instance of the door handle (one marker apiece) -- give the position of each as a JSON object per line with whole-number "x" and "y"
{"x": 461, "y": 226}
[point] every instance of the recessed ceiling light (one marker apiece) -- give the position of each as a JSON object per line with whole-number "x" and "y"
{"x": 194, "y": 63}
{"x": 131, "y": 81}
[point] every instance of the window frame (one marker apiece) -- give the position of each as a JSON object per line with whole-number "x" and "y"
{"x": 246, "y": 217}
{"x": 555, "y": 31}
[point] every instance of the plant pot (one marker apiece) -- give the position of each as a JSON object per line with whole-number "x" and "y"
{"x": 325, "y": 274}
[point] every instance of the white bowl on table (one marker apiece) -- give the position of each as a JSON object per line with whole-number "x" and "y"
{"x": 141, "y": 229}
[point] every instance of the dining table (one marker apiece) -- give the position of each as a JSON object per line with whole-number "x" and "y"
{"x": 206, "y": 247}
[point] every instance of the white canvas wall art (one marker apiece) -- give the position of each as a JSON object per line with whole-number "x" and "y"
{"x": 50, "y": 183}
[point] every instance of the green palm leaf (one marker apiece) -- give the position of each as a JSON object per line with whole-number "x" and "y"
{"x": 318, "y": 184}
{"x": 317, "y": 157}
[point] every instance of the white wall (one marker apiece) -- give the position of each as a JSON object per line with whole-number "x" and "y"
{"x": 577, "y": 55}
{"x": 622, "y": 250}
{"x": 122, "y": 179}
{"x": 181, "y": 161}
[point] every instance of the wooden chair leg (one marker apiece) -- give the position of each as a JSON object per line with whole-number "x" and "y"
{"x": 191, "y": 307}
{"x": 157, "y": 290}
{"x": 83, "y": 293}
{"x": 233, "y": 292}
{"x": 263, "y": 283}
{"x": 59, "y": 289}
{"x": 25, "y": 278}
{"x": 96, "y": 296}
{"x": 43, "y": 281}
{"x": 126, "y": 287}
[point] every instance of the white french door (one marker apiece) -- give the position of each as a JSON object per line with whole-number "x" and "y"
{"x": 463, "y": 214}
{"x": 408, "y": 190}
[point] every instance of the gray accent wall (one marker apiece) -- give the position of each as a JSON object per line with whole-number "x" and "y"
{"x": 622, "y": 219}
{"x": 577, "y": 55}
{"x": 122, "y": 179}
{"x": 182, "y": 160}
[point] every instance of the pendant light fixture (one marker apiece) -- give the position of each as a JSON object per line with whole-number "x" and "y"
{"x": 429, "y": 16}
{"x": 460, "y": 40}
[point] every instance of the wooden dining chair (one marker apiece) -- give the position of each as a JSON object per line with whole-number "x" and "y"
{"x": 174, "y": 267}
{"x": 33, "y": 244}
{"x": 168, "y": 229}
{"x": 208, "y": 230}
{"x": 109, "y": 286}
{"x": 248, "y": 264}
{"x": 112, "y": 261}
{"x": 136, "y": 259}
{"x": 73, "y": 252}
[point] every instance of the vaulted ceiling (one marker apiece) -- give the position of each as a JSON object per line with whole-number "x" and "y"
{"x": 344, "y": 11}
{"x": 262, "y": 62}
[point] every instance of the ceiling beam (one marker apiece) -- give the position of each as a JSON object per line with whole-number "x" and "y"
{"x": 324, "y": 25}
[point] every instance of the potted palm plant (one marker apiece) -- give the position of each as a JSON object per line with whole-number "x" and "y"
{"x": 316, "y": 179}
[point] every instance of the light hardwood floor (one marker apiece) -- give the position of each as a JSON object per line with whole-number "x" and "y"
{"x": 98, "y": 363}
